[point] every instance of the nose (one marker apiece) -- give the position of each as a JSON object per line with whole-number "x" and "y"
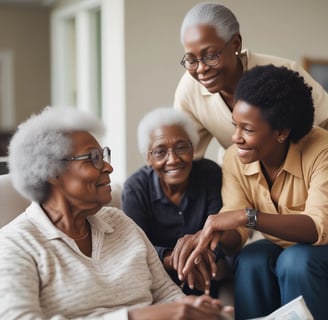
{"x": 202, "y": 66}
{"x": 107, "y": 167}
{"x": 237, "y": 137}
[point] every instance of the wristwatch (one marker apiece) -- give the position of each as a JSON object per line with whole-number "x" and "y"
{"x": 251, "y": 214}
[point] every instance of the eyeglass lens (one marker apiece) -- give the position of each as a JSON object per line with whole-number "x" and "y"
{"x": 98, "y": 159}
{"x": 161, "y": 153}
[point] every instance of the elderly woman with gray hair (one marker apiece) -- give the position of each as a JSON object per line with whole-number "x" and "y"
{"x": 68, "y": 256}
{"x": 171, "y": 197}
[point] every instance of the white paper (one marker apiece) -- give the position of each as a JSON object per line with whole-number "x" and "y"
{"x": 294, "y": 310}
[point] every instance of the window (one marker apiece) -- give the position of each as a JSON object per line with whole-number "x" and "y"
{"x": 88, "y": 67}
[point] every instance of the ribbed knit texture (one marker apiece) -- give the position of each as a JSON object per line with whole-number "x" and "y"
{"x": 45, "y": 276}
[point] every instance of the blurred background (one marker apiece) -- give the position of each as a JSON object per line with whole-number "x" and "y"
{"x": 120, "y": 58}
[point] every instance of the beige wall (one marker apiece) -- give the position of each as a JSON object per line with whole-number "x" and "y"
{"x": 25, "y": 31}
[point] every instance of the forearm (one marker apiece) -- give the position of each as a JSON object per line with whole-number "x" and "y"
{"x": 289, "y": 227}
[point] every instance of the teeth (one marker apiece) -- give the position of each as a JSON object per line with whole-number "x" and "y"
{"x": 172, "y": 171}
{"x": 243, "y": 151}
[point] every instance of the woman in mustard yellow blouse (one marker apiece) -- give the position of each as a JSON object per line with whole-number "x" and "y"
{"x": 278, "y": 170}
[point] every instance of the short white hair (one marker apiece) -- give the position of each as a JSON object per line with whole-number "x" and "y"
{"x": 212, "y": 14}
{"x": 160, "y": 117}
{"x": 40, "y": 143}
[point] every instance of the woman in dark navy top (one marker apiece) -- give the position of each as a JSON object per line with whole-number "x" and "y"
{"x": 173, "y": 194}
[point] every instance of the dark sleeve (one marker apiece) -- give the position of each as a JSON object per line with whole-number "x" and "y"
{"x": 212, "y": 180}
{"x": 136, "y": 203}
{"x": 136, "y": 200}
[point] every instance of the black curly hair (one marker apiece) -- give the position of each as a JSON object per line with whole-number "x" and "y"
{"x": 283, "y": 97}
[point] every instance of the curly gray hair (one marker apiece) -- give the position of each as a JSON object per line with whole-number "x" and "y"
{"x": 164, "y": 117}
{"x": 40, "y": 143}
{"x": 212, "y": 14}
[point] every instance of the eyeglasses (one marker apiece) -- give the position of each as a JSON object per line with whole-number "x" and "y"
{"x": 211, "y": 60}
{"x": 162, "y": 153}
{"x": 96, "y": 156}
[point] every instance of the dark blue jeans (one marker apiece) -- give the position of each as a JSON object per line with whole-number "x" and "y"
{"x": 268, "y": 276}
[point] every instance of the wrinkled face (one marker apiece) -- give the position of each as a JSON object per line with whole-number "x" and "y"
{"x": 202, "y": 40}
{"x": 175, "y": 168}
{"x": 82, "y": 185}
{"x": 253, "y": 135}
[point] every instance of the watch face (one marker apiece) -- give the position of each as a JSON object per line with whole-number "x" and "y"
{"x": 251, "y": 217}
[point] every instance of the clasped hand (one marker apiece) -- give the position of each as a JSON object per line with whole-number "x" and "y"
{"x": 204, "y": 268}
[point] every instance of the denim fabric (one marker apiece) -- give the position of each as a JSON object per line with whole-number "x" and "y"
{"x": 268, "y": 276}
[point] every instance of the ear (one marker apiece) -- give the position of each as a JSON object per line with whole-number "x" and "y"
{"x": 283, "y": 135}
{"x": 236, "y": 43}
{"x": 148, "y": 160}
{"x": 54, "y": 181}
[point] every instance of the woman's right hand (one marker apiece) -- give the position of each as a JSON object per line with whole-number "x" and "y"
{"x": 188, "y": 308}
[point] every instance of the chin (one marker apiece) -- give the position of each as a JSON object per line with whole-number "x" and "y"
{"x": 213, "y": 89}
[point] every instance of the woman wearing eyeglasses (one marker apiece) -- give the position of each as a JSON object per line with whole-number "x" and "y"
{"x": 214, "y": 62}
{"x": 171, "y": 197}
{"x": 69, "y": 256}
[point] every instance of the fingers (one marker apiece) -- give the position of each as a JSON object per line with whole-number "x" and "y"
{"x": 204, "y": 239}
{"x": 204, "y": 270}
{"x": 212, "y": 263}
{"x": 205, "y": 300}
{"x": 181, "y": 251}
{"x": 195, "y": 255}
{"x": 207, "y": 308}
{"x": 215, "y": 240}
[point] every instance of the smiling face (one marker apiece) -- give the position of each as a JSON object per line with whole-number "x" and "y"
{"x": 202, "y": 40}
{"x": 82, "y": 185}
{"x": 173, "y": 170}
{"x": 253, "y": 136}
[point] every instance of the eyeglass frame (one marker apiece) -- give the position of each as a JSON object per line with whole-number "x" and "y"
{"x": 169, "y": 150}
{"x": 88, "y": 156}
{"x": 216, "y": 55}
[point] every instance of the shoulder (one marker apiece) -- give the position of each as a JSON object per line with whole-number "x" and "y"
{"x": 206, "y": 170}
{"x": 110, "y": 218}
{"x": 254, "y": 59}
{"x": 189, "y": 89}
{"x": 186, "y": 81}
{"x": 230, "y": 159}
{"x": 315, "y": 142}
{"x": 141, "y": 176}
{"x": 206, "y": 165}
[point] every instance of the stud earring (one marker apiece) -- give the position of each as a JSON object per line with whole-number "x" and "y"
{"x": 280, "y": 140}
{"x": 236, "y": 53}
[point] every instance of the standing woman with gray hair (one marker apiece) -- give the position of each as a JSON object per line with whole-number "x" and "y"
{"x": 171, "y": 197}
{"x": 68, "y": 255}
{"x": 214, "y": 62}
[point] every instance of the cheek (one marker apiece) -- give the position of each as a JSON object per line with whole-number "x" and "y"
{"x": 81, "y": 179}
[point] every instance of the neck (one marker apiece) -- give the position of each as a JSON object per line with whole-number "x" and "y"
{"x": 73, "y": 223}
{"x": 174, "y": 192}
{"x": 272, "y": 170}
